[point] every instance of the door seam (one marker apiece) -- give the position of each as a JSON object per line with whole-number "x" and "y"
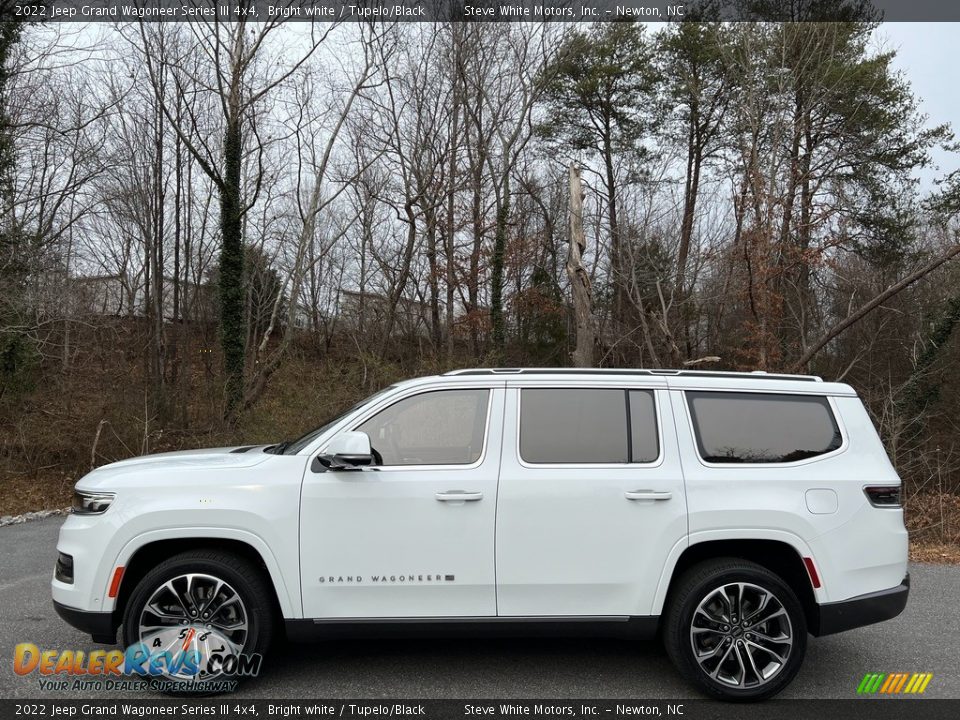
{"x": 496, "y": 502}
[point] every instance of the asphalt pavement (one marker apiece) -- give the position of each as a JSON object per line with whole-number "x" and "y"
{"x": 925, "y": 638}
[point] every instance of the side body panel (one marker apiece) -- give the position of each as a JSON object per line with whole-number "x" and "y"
{"x": 866, "y": 551}
{"x": 160, "y": 502}
{"x": 816, "y": 505}
{"x": 569, "y": 541}
{"x": 379, "y": 543}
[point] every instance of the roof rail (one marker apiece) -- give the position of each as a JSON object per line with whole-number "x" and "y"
{"x": 752, "y": 375}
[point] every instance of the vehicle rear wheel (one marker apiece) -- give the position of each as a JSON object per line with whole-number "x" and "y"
{"x": 735, "y": 629}
{"x": 200, "y": 608}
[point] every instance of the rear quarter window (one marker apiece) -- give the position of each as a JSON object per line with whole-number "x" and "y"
{"x": 734, "y": 427}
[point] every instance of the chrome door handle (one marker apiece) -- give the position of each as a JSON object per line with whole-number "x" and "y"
{"x": 648, "y": 495}
{"x": 458, "y": 496}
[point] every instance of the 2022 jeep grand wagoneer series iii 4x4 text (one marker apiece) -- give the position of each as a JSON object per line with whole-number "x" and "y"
{"x": 736, "y": 512}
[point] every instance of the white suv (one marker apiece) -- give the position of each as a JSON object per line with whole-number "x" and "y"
{"x": 736, "y": 512}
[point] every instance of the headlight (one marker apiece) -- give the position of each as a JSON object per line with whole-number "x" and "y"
{"x": 91, "y": 503}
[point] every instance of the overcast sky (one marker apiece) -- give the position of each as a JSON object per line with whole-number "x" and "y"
{"x": 926, "y": 53}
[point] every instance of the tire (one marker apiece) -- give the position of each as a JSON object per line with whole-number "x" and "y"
{"x": 759, "y": 653}
{"x": 228, "y": 587}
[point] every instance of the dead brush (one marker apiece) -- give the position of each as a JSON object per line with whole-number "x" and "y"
{"x": 933, "y": 517}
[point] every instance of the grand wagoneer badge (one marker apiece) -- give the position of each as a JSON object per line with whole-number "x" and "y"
{"x": 401, "y": 578}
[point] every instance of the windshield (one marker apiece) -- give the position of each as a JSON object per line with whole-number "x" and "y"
{"x": 292, "y": 448}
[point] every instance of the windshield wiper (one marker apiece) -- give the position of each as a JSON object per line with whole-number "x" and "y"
{"x": 278, "y": 448}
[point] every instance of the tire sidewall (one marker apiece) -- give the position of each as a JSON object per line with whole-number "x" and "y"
{"x": 679, "y": 631}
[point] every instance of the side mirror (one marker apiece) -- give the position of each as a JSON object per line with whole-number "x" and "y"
{"x": 347, "y": 451}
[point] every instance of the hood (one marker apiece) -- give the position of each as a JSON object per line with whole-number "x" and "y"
{"x": 208, "y": 458}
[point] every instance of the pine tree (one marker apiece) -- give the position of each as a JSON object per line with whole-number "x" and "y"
{"x": 598, "y": 102}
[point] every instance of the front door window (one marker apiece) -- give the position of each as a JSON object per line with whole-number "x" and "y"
{"x": 446, "y": 427}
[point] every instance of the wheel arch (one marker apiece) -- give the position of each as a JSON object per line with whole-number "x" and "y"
{"x": 146, "y": 551}
{"x": 778, "y": 555}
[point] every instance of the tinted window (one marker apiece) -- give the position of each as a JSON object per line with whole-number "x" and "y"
{"x": 446, "y": 427}
{"x": 587, "y": 426}
{"x": 762, "y": 427}
{"x": 644, "y": 443}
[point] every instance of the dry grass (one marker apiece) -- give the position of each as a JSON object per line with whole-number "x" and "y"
{"x": 933, "y": 520}
{"x": 23, "y": 494}
{"x": 47, "y": 440}
{"x": 944, "y": 554}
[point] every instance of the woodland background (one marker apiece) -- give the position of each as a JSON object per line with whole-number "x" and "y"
{"x": 226, "y": 232}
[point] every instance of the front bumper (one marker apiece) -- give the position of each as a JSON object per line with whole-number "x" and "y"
{"x": 863, "y": 610}
{"x": 101, "y": 626}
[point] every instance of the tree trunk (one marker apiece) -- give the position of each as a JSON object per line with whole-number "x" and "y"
{"x": 496, "y": 271}
{"x": 579, "y": 279}
{"x": 691, "y": 187}
{"x": 231, "y": 269}
{"x": 403, "y": 275}
{"x": 691, "y": 191}
{"x": 157, "y": 330}
{"x": 806, "y": 299}
{"x": 451, "y": 198}
{"x": 176, "y": 324}
{"x": 191, "y": 309}
{"x": 451, "y": 210}
{"x": 473, "y": 277}
{"x": 868, "y": 307}
{"x": 616, "y": 254}
{"x": 433, "y": 279}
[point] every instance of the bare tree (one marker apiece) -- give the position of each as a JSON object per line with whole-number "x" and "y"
{"x": 313, "y": 168}
{"x": 240, "y": 77}
{"x": 579, "y": 280}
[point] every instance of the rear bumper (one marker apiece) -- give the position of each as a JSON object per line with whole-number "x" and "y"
{"x": 99, "y": 625}
{"x": 859, "y": 611}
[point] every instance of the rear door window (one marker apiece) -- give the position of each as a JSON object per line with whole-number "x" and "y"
{"x": 588, "y": 426}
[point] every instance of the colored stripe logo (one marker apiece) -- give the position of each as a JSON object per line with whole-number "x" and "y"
{"x": 894, "y": 683}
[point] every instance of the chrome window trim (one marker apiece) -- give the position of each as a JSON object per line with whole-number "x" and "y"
{"x": 394, "y": 399}
{"x": 591, "y": 465}
{"x": 844, "y": 437}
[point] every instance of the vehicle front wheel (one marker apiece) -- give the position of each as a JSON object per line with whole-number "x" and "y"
{"x": 735, "y": 629}
{"x": 197, "y": 610}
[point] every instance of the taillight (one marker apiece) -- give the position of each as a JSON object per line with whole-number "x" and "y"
{"x": 887, "y": 496}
